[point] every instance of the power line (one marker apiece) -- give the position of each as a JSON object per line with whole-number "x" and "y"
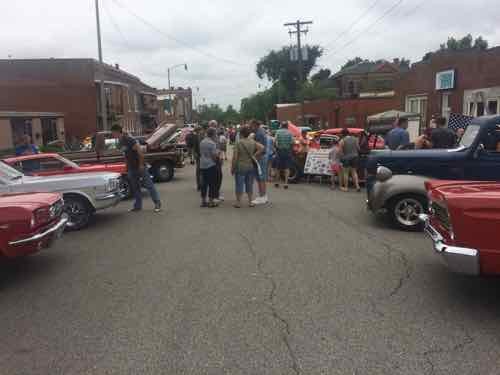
{"x": 385, "y": 14}
{"x": 346, "y": 31}
{"x": 175, "y": 39}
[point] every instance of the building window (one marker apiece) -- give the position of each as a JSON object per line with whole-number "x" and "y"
{"x": 492, "y": 107}
{"x": 136, "y": 103}
{"x": 21, "y": 127}
{"x": 480, "y": 109}
{"x": 49, "y": 130}
{"x": 417, "y": 104}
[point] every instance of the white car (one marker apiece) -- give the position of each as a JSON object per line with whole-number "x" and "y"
{"x": 83, "y": 194}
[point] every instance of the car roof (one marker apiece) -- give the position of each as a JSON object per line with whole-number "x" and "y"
{"x": 30, "y": 157}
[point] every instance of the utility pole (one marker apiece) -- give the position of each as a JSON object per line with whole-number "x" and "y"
{"x": 299, "y": 31}
{"x": 104, "y": 109}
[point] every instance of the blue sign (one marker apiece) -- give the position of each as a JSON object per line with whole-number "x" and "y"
{"x": 445, "y": 80}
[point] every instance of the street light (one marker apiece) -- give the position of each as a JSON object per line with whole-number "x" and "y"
{"x": 170, "y": 86}
{"x": 173, "y": 67}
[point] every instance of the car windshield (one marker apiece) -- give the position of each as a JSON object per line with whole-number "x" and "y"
{"x": 469, "y": 135}
{"x": 9, "y": 173}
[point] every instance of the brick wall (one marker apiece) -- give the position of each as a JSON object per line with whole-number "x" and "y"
{"x": 51, "y": 85}
{"x": 473, "y": 69}
{"x": 336, "y": 113}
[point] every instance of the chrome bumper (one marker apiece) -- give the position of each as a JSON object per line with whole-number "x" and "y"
{"x": 56, "y": 231}
{"x": 457, "y": 259}
{"x": 108, "y": 197}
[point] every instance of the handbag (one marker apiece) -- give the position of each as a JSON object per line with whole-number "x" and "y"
{"x": 255, "y": 163}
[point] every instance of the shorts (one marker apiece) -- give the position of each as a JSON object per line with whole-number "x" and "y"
{"x": 351, "y": 163}
{"x": 283, "y": 160}
{"x": 263, "y": 167}
{"x": 223, "y": 147}
{"x": 244, "y": 182}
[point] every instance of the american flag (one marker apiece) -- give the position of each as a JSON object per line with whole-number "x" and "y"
{"x": 457, "y": 121}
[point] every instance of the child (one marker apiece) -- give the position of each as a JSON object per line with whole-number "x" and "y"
{"x": 335, "y": 163}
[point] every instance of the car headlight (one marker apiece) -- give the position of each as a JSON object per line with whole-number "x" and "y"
{"x": 383, "y": 174}
{"x": 40, "y": 216}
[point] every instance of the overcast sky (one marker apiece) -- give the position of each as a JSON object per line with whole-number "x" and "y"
{"x": 221, "y": 40}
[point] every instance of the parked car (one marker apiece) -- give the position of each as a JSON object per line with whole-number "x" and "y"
{"x": 55, "y": 164}
{"x": 30, "y": 222}
{"x": 158, "y": 153}
{"x": 83, "y": 194}
{"x": 396, "y": 179}
{"x": 463, "y": 223}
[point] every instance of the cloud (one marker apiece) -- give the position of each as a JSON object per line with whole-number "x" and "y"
{"x": 208, "y": 34}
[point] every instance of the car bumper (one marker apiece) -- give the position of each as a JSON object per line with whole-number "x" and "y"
{"x": 457, "y": 259}
{"x": 107, "y": 200}
{"x": 375, "y": 201}
{"x": 37, "y": 241}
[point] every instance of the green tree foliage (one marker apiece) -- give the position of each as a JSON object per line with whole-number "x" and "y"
{"x": 321, "y": 75}
{"x": 260, "y": 106}
{"x": 215, "y": 112}
{"x": 357, "y": 60}
{"x": 453, "y": 44}
{"x": 277, "y": 66}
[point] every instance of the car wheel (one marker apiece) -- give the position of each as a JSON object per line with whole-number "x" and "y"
{"x": 163, "y": 172}
{"x": 125, "y": 188}
{"x": 405, "y": 210}
{"x": 78, "y": 211}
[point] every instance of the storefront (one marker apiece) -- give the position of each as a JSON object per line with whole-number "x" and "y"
{"x": 42, "y": 127}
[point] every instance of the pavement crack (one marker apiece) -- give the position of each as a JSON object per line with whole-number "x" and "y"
{"x": 428, "y": 354}
{"x": 286, "y": 332}
{"x": 390, "y": 249}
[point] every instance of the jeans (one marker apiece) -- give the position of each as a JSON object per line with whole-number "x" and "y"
{"x": 209, "y": 183}
{"x": 244, "y": 181}
{"x": 135, "y": 178}
{"x": 218, "y": 179}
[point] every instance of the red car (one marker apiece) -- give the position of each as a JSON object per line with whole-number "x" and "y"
{"x": 55, "y": 164}
{"x": 30, "y": 222}
{"x": 463, "y": 223}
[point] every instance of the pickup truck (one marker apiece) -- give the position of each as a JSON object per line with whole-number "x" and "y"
{"x": 162, "y": 156}
{"x": 463, "y": 223}
{"x": 396, "y": 179}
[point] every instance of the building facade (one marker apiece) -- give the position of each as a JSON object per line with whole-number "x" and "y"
{"x": 463, "y": 82}
{"x": 323, "y": 114}
{"x": 72, "y": 87}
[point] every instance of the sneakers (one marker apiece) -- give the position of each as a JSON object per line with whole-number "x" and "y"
{"x": 157, "y": 207}
{"x": 260, "y": 200}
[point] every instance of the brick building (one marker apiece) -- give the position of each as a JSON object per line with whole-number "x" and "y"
{"x": 366, "y": 78}
{"x": 72, "y": 87}
{"x": 464, "y": 82}
{"x": 337, "y": 112}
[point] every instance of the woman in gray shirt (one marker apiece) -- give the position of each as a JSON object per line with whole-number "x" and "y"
{"x": 208, "y": 168}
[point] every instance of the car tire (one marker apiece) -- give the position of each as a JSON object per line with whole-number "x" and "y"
{"x": 404, "y": 211}
{"x": 163, "y": 171}
{"x": 125, "y": 188}
{"x": 78, "y": 210}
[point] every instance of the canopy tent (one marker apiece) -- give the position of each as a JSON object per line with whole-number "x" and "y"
{"x": 391, "y": 115}
{"x": 382, "y": 123}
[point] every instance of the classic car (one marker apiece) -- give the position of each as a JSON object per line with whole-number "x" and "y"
{"x": 463, "y": 223}
{"x": 158, "y": 153}
{"x": 30, "y": 222}
{"x": 55, "y": 164}
{"x": 396, "y": 179}
{"x": 83, "y": 194}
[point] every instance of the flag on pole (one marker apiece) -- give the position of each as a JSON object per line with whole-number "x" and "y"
{"x": 457, "y": 121}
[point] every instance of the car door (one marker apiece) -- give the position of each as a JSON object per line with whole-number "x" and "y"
{"x": 484, "y": 165}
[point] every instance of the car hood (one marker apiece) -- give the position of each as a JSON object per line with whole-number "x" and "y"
{"x": 29, "y": 199}
{"x": 469, "y": 187}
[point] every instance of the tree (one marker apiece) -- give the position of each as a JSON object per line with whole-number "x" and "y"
{"x": 277, "y": 66}
{"x": 357, "y": 60}
{"x": 453, "y": 44}
{"x": 321, "y": 75}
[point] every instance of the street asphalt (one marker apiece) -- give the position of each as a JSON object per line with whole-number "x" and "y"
{"x": 311, "y": 284}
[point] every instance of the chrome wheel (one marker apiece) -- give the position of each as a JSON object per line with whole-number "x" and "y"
{"x": 78, "y": 212}
{"x": 163, "y": 172}
{"x": 407, "y": 211}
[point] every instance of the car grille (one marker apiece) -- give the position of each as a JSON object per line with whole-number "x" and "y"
{"x": 56, "y": 209}
{"x": 441, "y": 214}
